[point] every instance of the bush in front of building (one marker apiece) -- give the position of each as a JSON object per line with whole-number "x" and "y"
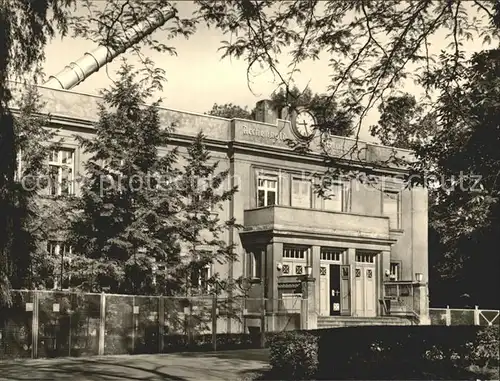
{"x": 408, "y": 352}
{"x": 293, "y": 355}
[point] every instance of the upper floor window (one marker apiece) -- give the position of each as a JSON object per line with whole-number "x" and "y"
{"x": 267, "y": 190}
{"x": 334, "y": 196}
{"x": 391, "y": 207}
{"x": 61, "y": 172}
{"x": 301, "y": 192}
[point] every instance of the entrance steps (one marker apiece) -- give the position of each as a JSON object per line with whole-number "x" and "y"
{"x": 350, "y": 321}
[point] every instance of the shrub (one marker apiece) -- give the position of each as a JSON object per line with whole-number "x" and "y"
{"x": 484, "y": 359}
{"x": 411, "y": 352}
{"x": 294, "y": 355}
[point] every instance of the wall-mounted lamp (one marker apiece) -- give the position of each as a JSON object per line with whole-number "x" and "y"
{"x": 387, "y": 273}
{"x": 279, "y": 266}
{"x": 419, "y": 277}
{"x": 309, "y": 270}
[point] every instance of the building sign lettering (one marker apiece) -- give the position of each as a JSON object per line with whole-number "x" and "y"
{"x": 264, "y": 133}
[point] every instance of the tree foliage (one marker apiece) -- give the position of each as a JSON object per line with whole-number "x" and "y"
{"x": 231, "y": 111}
{"x": 25, "y": 27}
{"x": 404, "y": 123}
{"x": 372, "y": 46}
{"x": 139, "y": 212}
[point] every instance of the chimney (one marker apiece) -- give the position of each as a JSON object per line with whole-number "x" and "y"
{"x": 265, "y": 112}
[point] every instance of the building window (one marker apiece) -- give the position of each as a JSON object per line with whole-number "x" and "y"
{"x": 295, "y": 252}
{"x": 301, "y": 193}
{"x": 331, "y": 254}
{"x": 64, "y": 253}
{"x": 61, "y": 172}
{"x": 391, "y": 207}
{"x": 365, "y": 257}
{"x": 254, "y": 265}
{"x": 334, "y": 196}
{"x": 395, "y": 271}
{"x": 295, "y": 259}
{"x": 267, "y": 190}
{"x": 200, "y": 278}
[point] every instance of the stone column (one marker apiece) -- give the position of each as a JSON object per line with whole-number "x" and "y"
{"x": 384, "y": 265}
{"x": 308, "y": 314}
{"x": 273, "y": 257}
{"x": 351, "y": 261}
{"x": 315, "y": 263}
{"x": 421, "y": 302}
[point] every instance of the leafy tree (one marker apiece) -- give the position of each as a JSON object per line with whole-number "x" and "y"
{"x": 329, "y": 118}
{"x": 24, "y": 29}
{"x": 372, "y": 46}
{"x": 403, "y": 122}
{"x": 462, "y": 162}
{"x": 31, "y": 217}
{"x": 231, "y": 111}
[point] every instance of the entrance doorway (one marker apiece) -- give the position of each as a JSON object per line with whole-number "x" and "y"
{"x": 365, "y": 290}
{"x": 334, "y": 290}
{"x": 330, "y": 285}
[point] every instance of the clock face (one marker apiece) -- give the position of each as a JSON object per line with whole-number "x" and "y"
{"x": 304, "y": 123}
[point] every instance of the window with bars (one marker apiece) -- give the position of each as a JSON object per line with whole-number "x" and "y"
{"x": 365, "y": 257}
{"x": 61, "y": 172}
{"x": 301, "y": 192}
{"x": 391, "y": 207}
{"x": 267, "y": 190}
{"x": 295, "y": 260}
{"x": 331, "y": 254}
{"x": 295, "y": 252}
{"x": 395, "y": 271}
{"x": 63, "y": 251}
{"x": 200, "y": 278}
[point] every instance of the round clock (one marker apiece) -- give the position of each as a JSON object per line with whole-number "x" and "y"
{"x": 304, "y": 123}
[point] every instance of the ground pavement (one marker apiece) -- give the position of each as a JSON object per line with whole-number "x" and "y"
{"x": 230, "y": 365}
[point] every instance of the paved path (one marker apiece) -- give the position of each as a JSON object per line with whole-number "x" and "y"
{"x": 231, "y": 365}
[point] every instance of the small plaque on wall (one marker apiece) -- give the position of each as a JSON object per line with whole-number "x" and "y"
{"x": 55, "y": 307}
{"x": 345, "y": 272}
{"x": 29, "y": 307}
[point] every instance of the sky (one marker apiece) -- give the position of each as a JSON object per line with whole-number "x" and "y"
{"x": 197, "y": 77}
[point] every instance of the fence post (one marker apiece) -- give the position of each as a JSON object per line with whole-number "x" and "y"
{"x": 34, "y": 326}
{"x": 214, "y": 321}
{"x": 133, "y": 325}
{"x": 102, "y": 323}
{"x": 161, "y": 324}
{"x": 448, "y": 316}
{"x": 476, "y": 316}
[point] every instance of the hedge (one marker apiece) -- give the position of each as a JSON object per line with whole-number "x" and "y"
{"x": 389, "y": 352}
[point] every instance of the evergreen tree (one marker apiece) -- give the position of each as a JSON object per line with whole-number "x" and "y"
{"x": 144, "y": 225}
{"x": 204, "y": 190}
{"x": 128, "y": 211}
